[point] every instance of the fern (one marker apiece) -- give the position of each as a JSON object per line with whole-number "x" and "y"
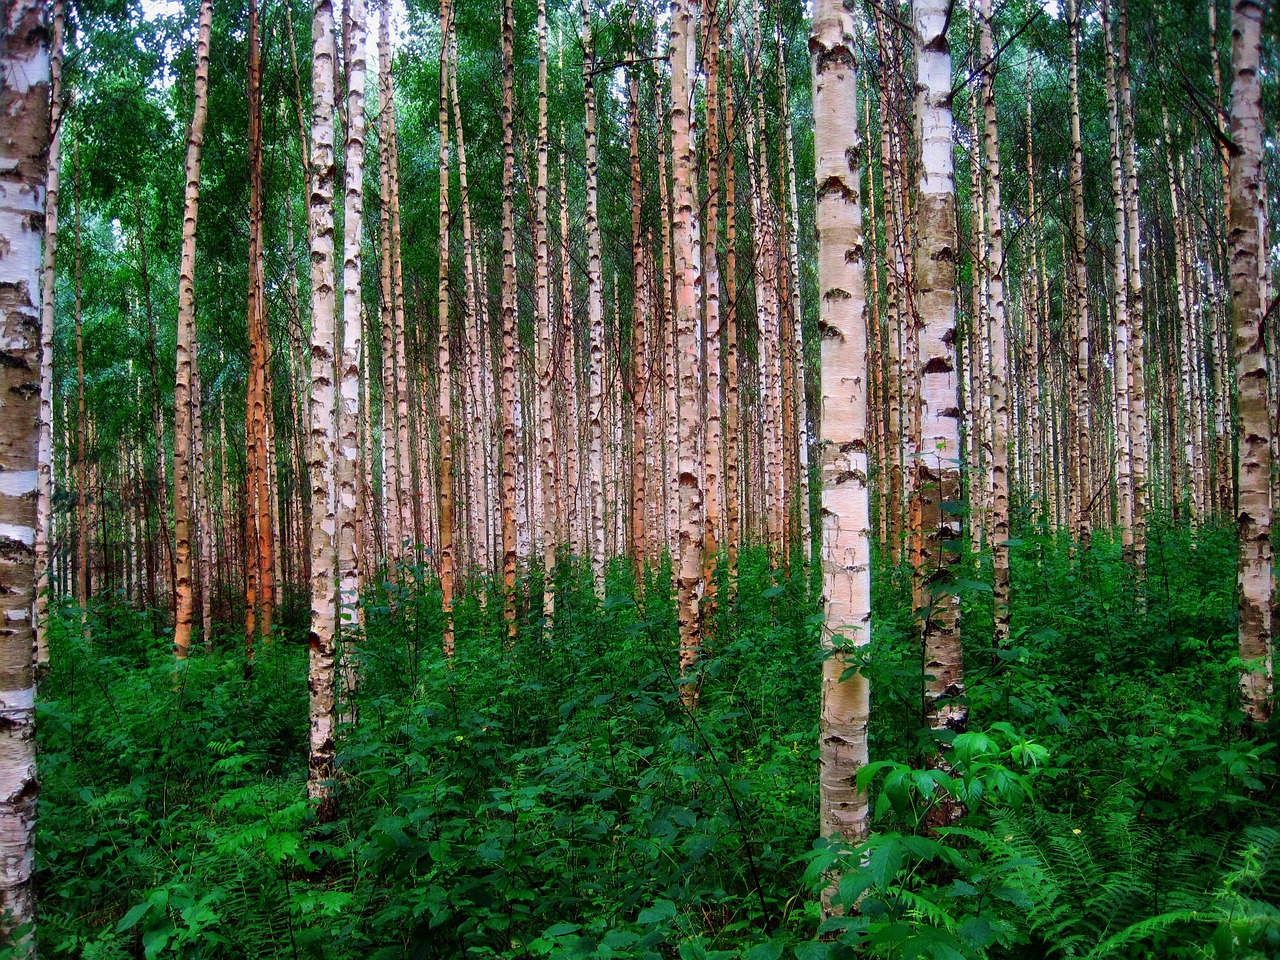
{"x": 1110, "y": 878}
{"x": 1238, "y": 919}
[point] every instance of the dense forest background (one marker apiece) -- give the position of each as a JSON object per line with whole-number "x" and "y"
{"x": 553, "y": 733}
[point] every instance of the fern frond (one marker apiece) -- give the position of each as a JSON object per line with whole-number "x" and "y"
{"x": 1142, "y": 929}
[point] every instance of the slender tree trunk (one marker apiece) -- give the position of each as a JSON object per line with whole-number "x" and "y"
{"x": 1136, "y": 386}
{"x": 82, "y": 430}
{"x": 1038, "y": 308}
{"x": 671, "y": 403}
{"x": 259, "y": 593}
{"x": 846, "y": 505}
{"x": 976, "y": 340}
{"x": 347, "y": 534}
{"x": 1195, "y": 388}
{"x": 1253, "y": 499}
{"x": 732, "y": 402}
{"x": 799, "y": 421}
{"x": 44, "y": 458}
{"x": 713, "y": 455}
{"x": 407, "y": 475}
{"x": 391, "y": 472}
{"x": 183, "y": 429}
{"x": 1080, "y": 403}
{"x": 508, "y": 323}
{"x": 688, "y": 289}
{"x": 595, "y": 311}
{"x": 937, "y": 485}
{"x": 639, "y": 329}
{"x": 772, "y": 487}
{"x": 896, "y": 317}
{"x": 877, "y": 392}
{"x": 1124, "y": 448}
{"x": 999, "y": 398}
{"x": 204, "y": 514}
{"x": 571, "y": 532}
{"x": 545, "y": 373}
{"x": 444, "y": 366}
{"x": 322, "y": 679}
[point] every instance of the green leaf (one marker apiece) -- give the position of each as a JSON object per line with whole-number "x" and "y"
{"x": 132, "y": 917}
{"x": 977, "y": 932}
{"x": 887, "y": 857}
{"x": 771, "y": 950}
{"x": 560, "y": 929}
{"x": 662, "y": 910}
{"x": 814, "y": 951}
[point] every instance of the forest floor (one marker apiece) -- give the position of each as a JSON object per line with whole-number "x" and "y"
{"x": 551, "y": 798}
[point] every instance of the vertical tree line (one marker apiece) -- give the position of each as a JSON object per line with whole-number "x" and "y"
{"x": 653, "y": 321}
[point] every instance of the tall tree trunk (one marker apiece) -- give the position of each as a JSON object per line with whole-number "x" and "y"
{"x": 1124, "y": 440}
{"x": 595, "y": 310}
{"x": 937, "y": 485}
{"x": 639, "y": 326}
{"x": 391, "y": 471}
{"x": 204, "y": 514}
{"x": 24, "y": 80}
{"x": 713, "y": 454}
{"x": 407, "y": 475}
{"x": 188, "y": 355}
{"x": 688, "y": 288}
{"x": 772, "y": 488}
{"x": 671, "y": 402}
{"x": 999, "y": 398}
{"x": 976, "y": 339}
{"x": 846, "y": 504}
{"x": 732, "y": 402}
{"x": 545, "y": 372}
{"x": 44, "y": 458}
{"x": 349, "y": 546}
{"x": 259, "y": 592}
{"x": 799, "y": 420}
{"x": 508, "y": 419}
{"x": 444, "y": 366}
{"x": 1081, "y": 486}
{"x": 1038, "y": 308}
{"x": 877, "y": 392}
{"x": 572, "y": 531}
{"x": 82, "y": 430}
{"x": 1137, "y": 385}
{"x": 322, "y": 678}
{"x": 1253, "y": 499}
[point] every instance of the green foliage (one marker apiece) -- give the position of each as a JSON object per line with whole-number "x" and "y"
{"x": 552, "y": 798}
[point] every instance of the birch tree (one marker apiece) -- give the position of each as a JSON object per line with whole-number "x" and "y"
{"x": 443, "y": 369}
{"x": 937, "y": 486}
{"x": 687, "y": 288}
{"x": 348, "y": 545}
{"x": 846, "y": 503}
{"x": 999, "y": 394}
{"x": 1253, "y": 498}
{"x": 44, "y": 487}
{"x": 183, "y": 428}
{"x": 24, "y": 103}
{"x": 321, "y": 679}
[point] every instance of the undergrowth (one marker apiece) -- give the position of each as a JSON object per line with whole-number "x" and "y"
{"x": 550, "y": 797}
